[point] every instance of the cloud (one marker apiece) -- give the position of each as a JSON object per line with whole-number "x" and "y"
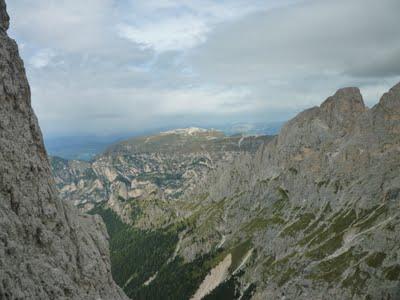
{"x": 171, "y": 25}
{"x": 167, "y": 35}
{"x": 129, "y": 107}
{"x": 42, "y": 58}
{"x": 328, "y": 37}
{"x": 70, "y": 25}
{"x": 100, "y": 66}
{"x": 300, "y": 53}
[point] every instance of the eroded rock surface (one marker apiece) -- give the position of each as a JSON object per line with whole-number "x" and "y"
{"x": 47, "y": 249}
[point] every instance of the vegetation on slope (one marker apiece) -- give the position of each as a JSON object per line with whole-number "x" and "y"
{"x": 136, "y": 255}
{"x": 139, "y": 255}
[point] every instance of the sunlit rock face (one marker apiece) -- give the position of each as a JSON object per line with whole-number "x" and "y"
{"x": 47, "y": 249}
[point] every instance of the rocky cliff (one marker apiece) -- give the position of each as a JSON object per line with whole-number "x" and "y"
{"x": 47, "y": 249}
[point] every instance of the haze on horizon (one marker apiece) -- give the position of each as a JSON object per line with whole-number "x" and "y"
{"x": 108, "y": 66}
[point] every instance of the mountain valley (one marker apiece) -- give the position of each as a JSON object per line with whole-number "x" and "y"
{"x": 312, "y": 212}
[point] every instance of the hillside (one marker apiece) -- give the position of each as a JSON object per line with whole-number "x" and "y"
{"x": 312, "y": 214}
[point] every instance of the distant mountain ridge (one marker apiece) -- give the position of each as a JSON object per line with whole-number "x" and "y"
{"x": 156, "y": 168}
{"x": 87, "y": 147}
{"x": 187, "y": 131}
{"x": 191, "y": 139}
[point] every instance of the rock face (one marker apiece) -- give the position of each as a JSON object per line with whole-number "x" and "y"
{"x": 47, "y": 250}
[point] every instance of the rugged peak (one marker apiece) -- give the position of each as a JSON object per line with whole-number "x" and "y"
{"x": 4, "y": 18}
{"x": 345, "y": 100}
{"x": 341, "y": 110}
{"x": 335, "y": 117}
{"x": 348, "y": 90}
{"x": 391, "y": 99}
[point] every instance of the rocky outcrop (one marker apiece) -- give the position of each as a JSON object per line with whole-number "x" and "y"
{"x": 47, "y": 249}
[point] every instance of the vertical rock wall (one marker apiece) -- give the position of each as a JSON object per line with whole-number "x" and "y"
{"x": 47, "y": 250}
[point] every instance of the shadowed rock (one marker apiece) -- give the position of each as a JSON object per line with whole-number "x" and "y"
{"x": 4, "y": 18}
{"x": 47, "y": 250}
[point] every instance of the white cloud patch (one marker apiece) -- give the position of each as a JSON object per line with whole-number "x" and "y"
{"x": 167, "y": 35}
{"x": 172, "y": 25}
{"x": 202, "y": 101}
{"x": 42, "y": 58}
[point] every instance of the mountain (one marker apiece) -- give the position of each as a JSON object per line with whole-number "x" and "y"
{"x": 148, "y": 172}
{"x": 47, "y": 249}
{"x": 318, "y": 205}
{"x": 312, "y": 213}
{"x": 87, "y": 147}
{"x": 137, "y": 186}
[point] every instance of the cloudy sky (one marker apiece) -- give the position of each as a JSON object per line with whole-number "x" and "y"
{"x": 111, "y": 66}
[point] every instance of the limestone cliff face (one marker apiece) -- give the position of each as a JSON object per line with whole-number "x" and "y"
{"x": 47, "y": 250}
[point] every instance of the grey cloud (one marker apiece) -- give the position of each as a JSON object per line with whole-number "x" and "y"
{"x": 382, "y": 66}
{"x": 263, "y": 65}
{"x": 312, "y": 37}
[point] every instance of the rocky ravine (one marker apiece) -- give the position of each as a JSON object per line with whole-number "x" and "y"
{"x": 47, "y": 249}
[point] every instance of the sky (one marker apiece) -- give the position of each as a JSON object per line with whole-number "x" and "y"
{"x": 111, "y": 66}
